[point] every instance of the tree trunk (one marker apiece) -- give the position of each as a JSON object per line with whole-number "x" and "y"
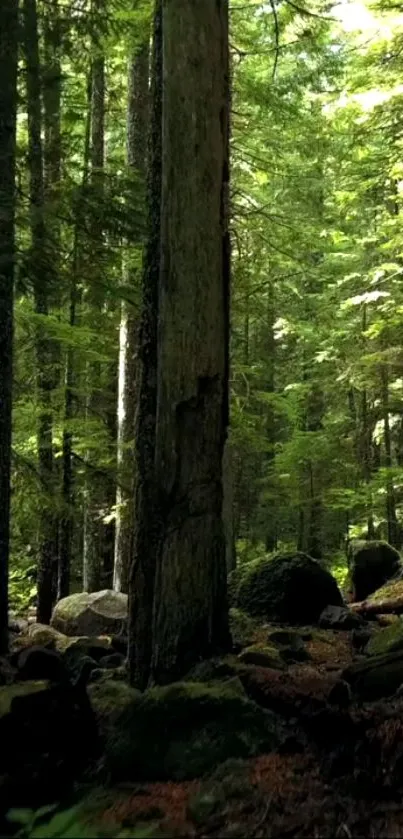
{"x": 147, "y": 530}
{"x": 39, "y": 271}
{"x": 52, "y": 151}
{"x": 137, "y": 127}
{"x": 67, "y": 522}
{"x": 190, "y": 617}
{"x": 228, "y": 508}
{"x": 8, "y": 108}
{"x": 394, "y": 535}
{"x": 95, "y": 495}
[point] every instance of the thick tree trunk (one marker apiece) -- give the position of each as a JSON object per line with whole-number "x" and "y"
{"x": 147, "y": 530}
{"x": 190, "y": 610}
{"x": 137, "y": 127}
{"x": 8, "y": 108}
{"x": 39, "y": 270}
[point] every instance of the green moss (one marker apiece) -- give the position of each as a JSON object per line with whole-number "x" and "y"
{"x": 213, "y": 669}
{"x": 263, "y": 655}
{"x": 184, "y": 730}
{"x": 9, "y": 692}
{"x": 291, "y": 588}
{"x": 390, "y": 591}
{"x": 376, "y": 677}
{"x": 111, "y": 697}
{"x": 387, "y": 640}
{"x": 242, "y": 626}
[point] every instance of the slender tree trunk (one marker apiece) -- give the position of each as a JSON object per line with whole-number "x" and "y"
{"x": 147, "y": 530}
{"x": 39, "y": 269}
{"x": 190, "y": 617}
{"x": 137, "y": 127}
{"x": 394, "y": 535}
{"x": 366, "y": 450}
{"x": 67, "y": 522}
{"x": 52, "y": 91}
{"x": 270, "y": 360}
{"x": 95, "y": 496}
{"x": 8, "y": 109}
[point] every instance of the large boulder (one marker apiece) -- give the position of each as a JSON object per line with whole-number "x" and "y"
{"x": 98, "y": 613}
{"x": 183, "y": 730}
{"x": 376, "y": 677}
{"x": 371, "y": 564}
{"x": 290, "y": 588}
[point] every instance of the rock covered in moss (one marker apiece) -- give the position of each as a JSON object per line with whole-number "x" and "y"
{"x": 263, "y": 655}
{"x": 371, "y": 564}
{"x": 181, "y": 731}
{"x": 387, "y": 640}
{"x": 290, "y": 588}
{"x": 98, "y": 613}
{"x": 242, "y": 628}
{"x": 375, "y": 677}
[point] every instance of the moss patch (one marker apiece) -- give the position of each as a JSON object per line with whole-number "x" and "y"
{"x": 9, "y": 692}
{"x": 387, "y": 640}
{"x": 263, "y": 656}
{"x": 183, "y": 730}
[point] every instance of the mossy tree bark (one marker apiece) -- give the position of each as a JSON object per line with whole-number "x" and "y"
{"x": 8, "y": 108}
{"x": 178, "y": 606}
{"x": 190, "y": 611}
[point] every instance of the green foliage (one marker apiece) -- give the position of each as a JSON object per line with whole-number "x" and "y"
{"x": 71, "y": 823}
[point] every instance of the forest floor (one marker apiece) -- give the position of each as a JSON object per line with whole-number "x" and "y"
{"x": 344, "y": 779}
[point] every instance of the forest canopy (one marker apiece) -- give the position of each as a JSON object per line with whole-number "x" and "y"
{"x": 315, "y": 450}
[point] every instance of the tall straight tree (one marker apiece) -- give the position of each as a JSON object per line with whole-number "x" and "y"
{"x": 189, "y": 616}
{"x": 95, "y": 482}
{"x": 147, "y": 530}
{"x": 137, "y": 128}
{"x": 8, "y": 108}
{"x": 39, "y": 268}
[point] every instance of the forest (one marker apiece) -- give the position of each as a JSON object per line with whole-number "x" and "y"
{"x": 201, "y": 418}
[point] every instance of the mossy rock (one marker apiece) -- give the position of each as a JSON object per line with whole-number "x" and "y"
{"x": 393, "y": 590}
{"x": 9, "y": 692}
{"x": 290, "y": 588}
{"x": 242, "y": 627}
{"x": 184, "y": 730}
{"x": 386, "y": 640}
{"x": 39, "y": 634}
{"x": 110, "y": 697}
{"x": 214, "y": 669}
{"x": 371, "y": 564}
{"x": 98, "y": 613}
{"x": 376, "y": 677}
{"x": 263, "y": 655}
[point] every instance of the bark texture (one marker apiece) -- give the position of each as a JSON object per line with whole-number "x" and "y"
{"x": 147, "y": 531}
{"x": 190, "y": 614}
{"x": 8, "y": 105}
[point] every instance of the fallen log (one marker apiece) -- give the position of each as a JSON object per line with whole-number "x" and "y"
{"x": 368, "y": 608}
